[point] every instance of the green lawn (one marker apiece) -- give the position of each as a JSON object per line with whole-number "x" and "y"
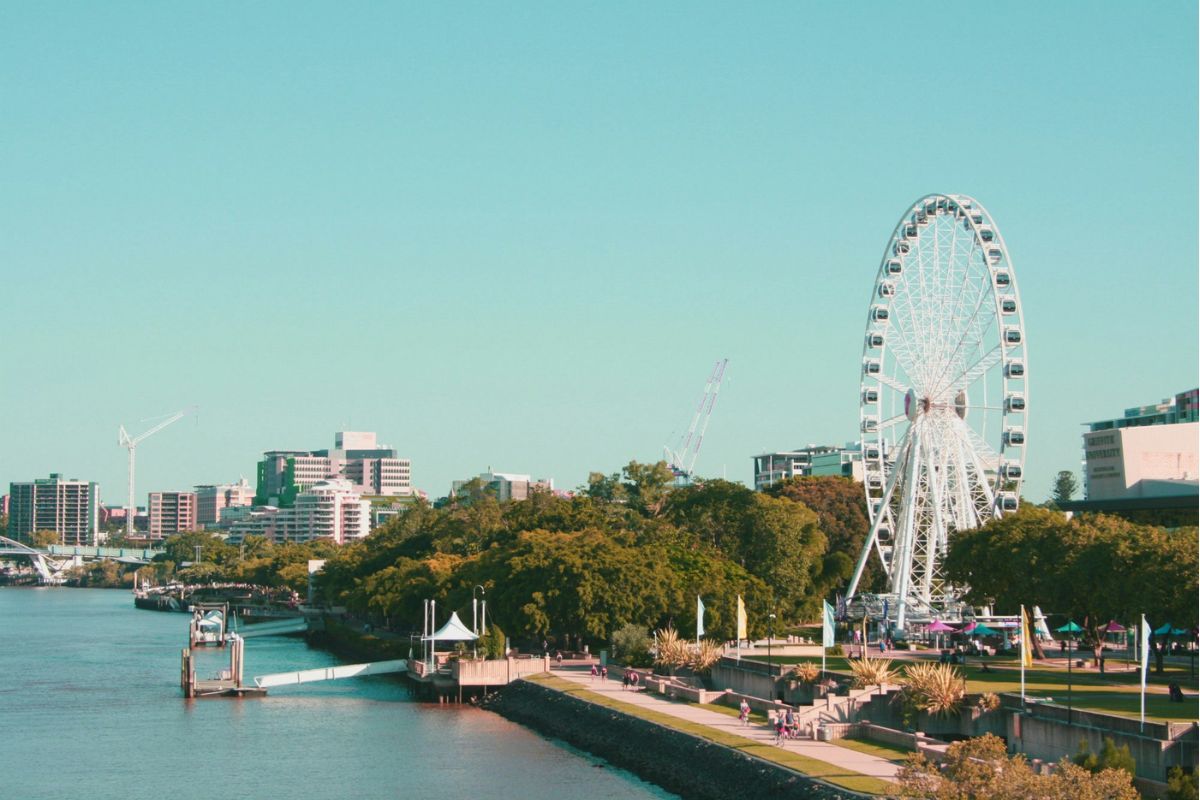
{"x": 809, "y": 766}
{"x": 1115, "y": 692}
{"x": 892, "y": 752}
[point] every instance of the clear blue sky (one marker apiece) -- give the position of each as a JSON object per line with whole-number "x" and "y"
{"x": 519, "y": 236}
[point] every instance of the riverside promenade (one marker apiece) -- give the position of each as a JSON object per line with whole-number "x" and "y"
{"x": 851, "y": 761}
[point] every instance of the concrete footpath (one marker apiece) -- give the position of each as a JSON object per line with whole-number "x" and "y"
{"x": 849, "y": 760}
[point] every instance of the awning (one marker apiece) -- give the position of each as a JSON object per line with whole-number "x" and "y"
{"x": 1070, "y": 627}
{"x": 937, "y": 626}
{"x": 452, "y": 631}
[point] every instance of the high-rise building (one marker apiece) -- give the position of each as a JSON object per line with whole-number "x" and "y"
{"x": 330, "y": 510}
{"x": 371, "y": 468}
{"x": 811, "y": 461}
{"x": 506, "y": 485}
{"x": 211, "y": 499}
{"x": 171, "y": 513}
{"x": 69, "y": 507}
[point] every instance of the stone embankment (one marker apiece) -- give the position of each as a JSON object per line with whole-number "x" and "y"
{"x": 681, "y": 763}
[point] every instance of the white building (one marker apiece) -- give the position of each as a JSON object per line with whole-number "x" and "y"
{"x": 506, "y": 485}
{"x": 811, "y": 461}
{"x": 330, "y": 510}
{"x": 371, "y": 468}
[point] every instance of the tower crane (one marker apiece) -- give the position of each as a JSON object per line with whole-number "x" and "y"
{"x": 130, "y": 443}
{"x": 683, "y": 459}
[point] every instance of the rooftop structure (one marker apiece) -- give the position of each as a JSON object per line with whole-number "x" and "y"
{"x": 1183, "y": 407}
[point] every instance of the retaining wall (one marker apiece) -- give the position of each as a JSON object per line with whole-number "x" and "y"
{"x": 681, "y": 763}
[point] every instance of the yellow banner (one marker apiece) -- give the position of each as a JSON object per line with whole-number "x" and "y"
{"x": 741, "y": 619}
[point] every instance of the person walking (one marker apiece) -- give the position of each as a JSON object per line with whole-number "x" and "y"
{"x": 744, "y": 712}
{"x": 625, "y": 680}
{"x": 595, "y": 672}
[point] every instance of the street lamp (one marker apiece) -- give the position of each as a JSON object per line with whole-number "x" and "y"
{"x": 475, "y": 616}
{"x": 770, "y": 636}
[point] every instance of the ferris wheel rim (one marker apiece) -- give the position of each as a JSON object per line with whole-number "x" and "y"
{"x": 1005, "y": 321}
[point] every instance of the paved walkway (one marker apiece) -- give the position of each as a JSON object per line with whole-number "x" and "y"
{"x": 850, "y": 760}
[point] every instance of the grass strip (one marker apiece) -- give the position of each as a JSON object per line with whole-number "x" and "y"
{"x": 891, "y": 752}
{"x": 811, "y": 767}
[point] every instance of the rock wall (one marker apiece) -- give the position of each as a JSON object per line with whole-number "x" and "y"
{"x": 691, "y": 767}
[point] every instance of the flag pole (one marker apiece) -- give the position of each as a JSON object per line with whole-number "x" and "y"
{"x": 1024, "y": 645}
{"x": 1144, "y": 644}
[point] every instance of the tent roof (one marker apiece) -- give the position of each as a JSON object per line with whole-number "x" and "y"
{"x": 452, "y": 631}
{"x": 983, "y": 630}
{"x": 937, "y": 626}
{"x": 1070, "y": 627}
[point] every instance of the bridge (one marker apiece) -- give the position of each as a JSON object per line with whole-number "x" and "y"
{"x": 51, "y": 563}
{"x": 331, "y": 673}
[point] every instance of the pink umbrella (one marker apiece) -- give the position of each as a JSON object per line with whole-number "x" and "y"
{"x": 940, "y": 627}
{"x": 1114, "y": 627}
{"x": 969, "y": 628}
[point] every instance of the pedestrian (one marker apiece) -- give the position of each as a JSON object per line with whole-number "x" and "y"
{"x": 625, "y": 680}
{"x": 1101, "y": 663}
{"x": 634, "y": 679}
{"x": 604, "y": 673}
{"x": 779, "y": 728}
{"x": 595, "y": 672}
{"x": 558, "y": 657}
{"x": 882, "y": 645}
{"x": 789, "y": 722}
{"x": 744, "y": 712}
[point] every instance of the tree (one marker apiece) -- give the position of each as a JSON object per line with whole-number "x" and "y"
{"x": 631, "y": 645}
{"x": 1109, "y": 757}
{"x": 981, "y": 768}
{"x": 648, "y": 486}
{"x": 1181, "y": 785}
{"x": 1038, "y": 556}
{"x": 1065, "y": 487}
{"x": 841, "y": 509}
{"x": 44, "y": 538}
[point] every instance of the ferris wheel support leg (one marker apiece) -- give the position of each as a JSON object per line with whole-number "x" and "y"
{"x": 902, "y": 560}
{"x": 873, "y": 535}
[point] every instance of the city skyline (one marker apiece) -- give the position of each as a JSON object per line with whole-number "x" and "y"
{"x": 519, "y": 241}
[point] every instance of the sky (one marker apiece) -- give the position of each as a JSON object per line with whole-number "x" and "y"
{"x": 518, "y": 236}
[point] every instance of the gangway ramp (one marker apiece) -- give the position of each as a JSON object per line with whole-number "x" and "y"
{"x": 278, "y": 627}
{"x": 331, "y": 673}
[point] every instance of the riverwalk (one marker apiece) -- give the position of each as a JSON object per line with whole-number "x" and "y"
{"x": 844, "y": 759}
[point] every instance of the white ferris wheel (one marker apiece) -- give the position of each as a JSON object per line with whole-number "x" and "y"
{"x": 943, "y": 400}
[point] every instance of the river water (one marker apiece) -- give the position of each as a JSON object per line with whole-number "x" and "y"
{"x": 90, "y": 706}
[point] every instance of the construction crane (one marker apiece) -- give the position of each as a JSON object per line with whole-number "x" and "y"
{"x": 683, "y": 459}
{"x": 130, "y": 443}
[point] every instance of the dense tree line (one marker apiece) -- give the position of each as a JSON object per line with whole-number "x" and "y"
{"x": 628, "y": 548}
{"x": 1093, "y": 568}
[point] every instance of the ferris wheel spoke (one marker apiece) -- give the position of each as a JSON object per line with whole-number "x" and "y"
{"x": 888, "y": 380}
{"x": 890, "y": 421}
{"x": 968, "y": 376}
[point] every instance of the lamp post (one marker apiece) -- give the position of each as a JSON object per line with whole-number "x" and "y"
{"x": 475, "y": 617}
{"x": 770, "y": 636}
{"x": 1070, "y": 644}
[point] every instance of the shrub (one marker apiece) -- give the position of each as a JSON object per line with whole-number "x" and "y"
{"x": 937, "y": 689}
{"x": 706, "y": 655}
{"x": 871, "y": 671}
{"x": 1181, "y": 785}
{"x": 670, "y": 650}
{"x": 491, "y": 643}
{"x": 1109, "y": 757}
{"x": 806, "y": 672}
{"x": 631, "y": 644}
{"x": 988, "y": 701}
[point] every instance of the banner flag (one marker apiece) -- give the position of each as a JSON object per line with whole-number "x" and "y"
{"x": 699, "y": 617}
{"x": 1026, "y": 639}
{"x": 741, "y": 619}
{"x": 1144, "y": 634}
{"x": 827, "y": 626}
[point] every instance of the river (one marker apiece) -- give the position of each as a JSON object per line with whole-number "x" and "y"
{"x": 90, "y": 707}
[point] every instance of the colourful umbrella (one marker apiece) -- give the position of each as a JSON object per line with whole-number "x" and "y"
{"x": 1164, "y": 630}
{"x": 940, "y": 627}
{"x": 1114, "y": 627}
{"x": 1070, "y": 627}
{"x": 984, "y": 630}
